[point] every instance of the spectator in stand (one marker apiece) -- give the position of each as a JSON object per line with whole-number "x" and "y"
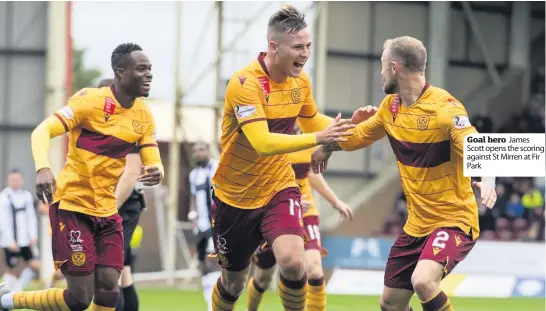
{"x": 483, "y": 123}
{"x": 531, "y": 201}
{"x": 514, "y": 208}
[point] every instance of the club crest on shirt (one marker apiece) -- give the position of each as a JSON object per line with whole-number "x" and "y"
{"x": 223, "y": 260}
{"x": 422, "y": 122}
{"x": 296, "y": 95}
{"x": 138, "y": 127}
{"x": 78, "y": 259}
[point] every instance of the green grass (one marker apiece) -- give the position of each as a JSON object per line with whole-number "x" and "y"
{"x": 171, "y": 300}
{"x": 159, "y": 299}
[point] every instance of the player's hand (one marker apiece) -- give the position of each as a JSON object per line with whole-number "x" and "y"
{"x": 344, "y": 210}
{"x": 319, "y": 160}
{"x": 305, "y": 204}
{"x": 33, "y": 242}
{"x": 192, "y": 215}
{"x": 363, "y": 114}
{"x": 45, "y": 185}
{"x": 151, "y": 176}
{"x": 336, "y": 131}
{"x": 487, "y": 193}
{"x": 13, "y": 248}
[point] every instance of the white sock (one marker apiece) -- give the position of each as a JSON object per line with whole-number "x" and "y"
{"x": 10, "y": 279}
{"x": 26, "y": 276}
{"x": 208, "y": 281}
{"x": 48, "y": 282}
{"x": 7, "y": 301}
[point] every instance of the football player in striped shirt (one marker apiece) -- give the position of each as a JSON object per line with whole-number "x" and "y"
{"x": 425, "y": 126}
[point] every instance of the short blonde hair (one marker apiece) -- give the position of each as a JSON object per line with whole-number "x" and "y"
{"x": 409, "y": 50}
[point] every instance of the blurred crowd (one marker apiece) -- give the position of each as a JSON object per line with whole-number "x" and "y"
{"x": 519, "y": 211}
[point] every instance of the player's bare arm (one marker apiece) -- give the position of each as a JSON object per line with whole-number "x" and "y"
{"x": 318, "y": 183}
{"x": 128, "y": 178}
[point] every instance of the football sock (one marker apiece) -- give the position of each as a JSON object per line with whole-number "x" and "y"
{"x": 439, "y": 302}
{"x": 293, "y": 293}
{"x": 104, "y": 300}
{"x": 95, "y": 307}
{"x": 26, "y": 276}
{"x": 54, "y": 299}
{"x": 316, "y": 295}
{"x": 254, "y": 295}
{"x": 221, "y": 299}
{"x": 207, "y": 282}
{"x": 10, "y": 279}
{"x": 130, "y": 297}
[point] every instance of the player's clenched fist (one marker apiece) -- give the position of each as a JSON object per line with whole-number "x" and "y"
{"x": 152, "y": 176}
{"x": 336, "y": 131}
{"x": 45, "y": 185}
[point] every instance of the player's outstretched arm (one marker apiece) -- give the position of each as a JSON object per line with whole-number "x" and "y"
{"x": 310, "y": 120}
{"x": 244, "y": 100}
{"x": 454, "y": 119}
{"x": 128, "y": 179}
{"x": 318, "y": 183}
{"x": 368, "y": 130}
{"x": 266, "y": 143}
{"x": 149, "y": 154}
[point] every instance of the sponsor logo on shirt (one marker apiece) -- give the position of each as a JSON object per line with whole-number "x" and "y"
{"x": 461, "y": 122}
{"x": 244, "y": 111}
{"x": 67, "y": 112}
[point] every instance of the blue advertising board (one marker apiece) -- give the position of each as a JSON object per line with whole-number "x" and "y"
{"x": 356, "y": 253}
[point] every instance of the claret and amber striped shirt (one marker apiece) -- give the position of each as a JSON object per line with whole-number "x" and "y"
{"x": 245, "y": 178}
{"x": 427, "y": 140}
{"x": 101, "y": 134}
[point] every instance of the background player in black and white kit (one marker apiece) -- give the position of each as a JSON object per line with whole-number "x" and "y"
{"x": 201, "y": 215}
{"x": 18, "y": 231}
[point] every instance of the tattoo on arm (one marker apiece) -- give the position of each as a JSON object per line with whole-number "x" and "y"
{"x": 332, "y": 147}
